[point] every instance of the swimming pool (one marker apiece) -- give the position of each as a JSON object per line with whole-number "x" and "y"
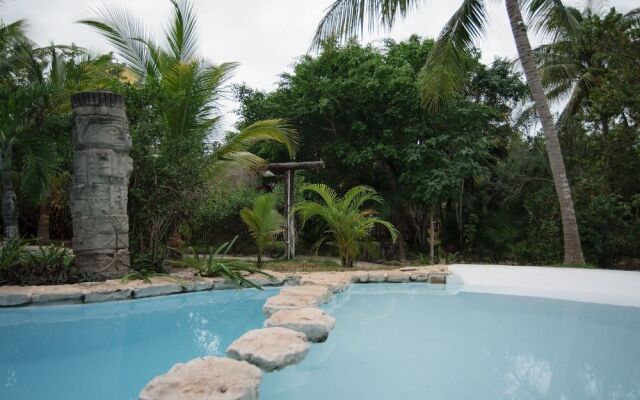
{"x": 414, "y": 341}
{"x": 111, "y": 350}
{"x": 391, "y": 342}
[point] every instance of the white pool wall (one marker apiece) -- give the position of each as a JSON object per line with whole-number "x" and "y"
{"x": 590, "y": 285}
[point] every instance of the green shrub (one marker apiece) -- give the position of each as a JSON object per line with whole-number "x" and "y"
{"x": 263, "y": 221}
{"x": 216, "y": 218}
{"x": 46, "y": 265}
{"x": 348, "y": 225}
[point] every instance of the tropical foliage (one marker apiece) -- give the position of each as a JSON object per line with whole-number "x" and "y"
{"x": 43, "y": 265}
{"x": 469, "y": 167}
{"x": 263, "y": 221}
{"x": 453, "y": 146}
{"x": 446, "y": 68}
{"x": 348, "y": 225}
{"x": 216, "y": 264}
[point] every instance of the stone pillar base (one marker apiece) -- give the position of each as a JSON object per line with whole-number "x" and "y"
{"x": 103, "y": 265}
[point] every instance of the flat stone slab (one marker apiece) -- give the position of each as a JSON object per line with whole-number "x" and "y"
{"x": 207, "y": 378}
{"x": 335, "y": 281}
{"x": 263, "y": 280}
{"x": 288, "y": 302}
{"x": 197, "y": 285}
{"x": 57, "y": 294}
{"x": 322, "y": 293}
{"x": 156, "y": 289}
{"x": 313, "y": 322}
{"x": 398, "y": 277}
{"x": 377, "y": 276}
{"x": 360, "y": 277}
{"x": 107, "y": 295}
{"x": 14, "y": 299}
{"x": 270, "y": 349}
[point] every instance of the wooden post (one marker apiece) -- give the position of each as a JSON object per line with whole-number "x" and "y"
{"x": 289, "y": 194}
{"x": 289, "y": 224}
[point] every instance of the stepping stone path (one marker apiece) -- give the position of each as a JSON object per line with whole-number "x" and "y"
{"x": 294, "y": 300}
{"x": 313, "y": 322}
{"x": 209, "y": 378}
{"x": 321, "y": 293}
{"x": 270, "y": 349}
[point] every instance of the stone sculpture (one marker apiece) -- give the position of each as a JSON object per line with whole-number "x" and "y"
{"x": 101, "y": 170}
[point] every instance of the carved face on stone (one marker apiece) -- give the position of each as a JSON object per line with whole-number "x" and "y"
{"x": 100, "y": 132}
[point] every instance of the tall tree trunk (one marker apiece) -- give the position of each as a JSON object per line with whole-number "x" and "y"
{"x": 9, "y": 207}
{"x": 432, "y": 238}
{"x": 572, "y": 247}
{"x": 43, "y": 223}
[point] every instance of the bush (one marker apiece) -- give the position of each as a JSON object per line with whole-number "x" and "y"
{"x": 48, "y": 265}
{"x": 217, "y": 217}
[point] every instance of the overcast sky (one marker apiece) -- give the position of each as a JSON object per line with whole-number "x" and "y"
{"x": 264, "y": 36}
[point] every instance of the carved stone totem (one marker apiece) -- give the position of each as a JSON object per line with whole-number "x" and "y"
{"x": 101, "y": 170}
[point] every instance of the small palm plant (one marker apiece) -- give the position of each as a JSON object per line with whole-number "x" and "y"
{"x": 263, "y": 221}
{"x": 347, "y": 224}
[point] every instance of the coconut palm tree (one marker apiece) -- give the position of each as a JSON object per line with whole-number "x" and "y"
{"x": 445, "y": 68}
{"x": 581, "y": 54}
{"x": 347, "y": 224}
{"x": 263, "y": 221}
{"x": 196, "y": 84}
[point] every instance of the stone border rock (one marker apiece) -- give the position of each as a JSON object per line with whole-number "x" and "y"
{"x": 116, "y": 289}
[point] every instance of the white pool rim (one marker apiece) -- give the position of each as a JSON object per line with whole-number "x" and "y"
{"x": 621, "y": 288}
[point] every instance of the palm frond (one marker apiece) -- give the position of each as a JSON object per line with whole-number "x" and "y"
{"x": 348, "y": 226}
{"x": 551, "y": 19}
{"x": 347, "y": 18}
{"x": 129, "y": 37}
{"x": 199, "y": 85}
{"x": 234, "y": 153}
{"x": 181, "y": 33}
{"x": 39, "y": 162}
{"x": 447, "y": 64}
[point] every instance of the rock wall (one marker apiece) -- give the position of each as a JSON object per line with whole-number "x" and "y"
{"x": 101, "y": 170}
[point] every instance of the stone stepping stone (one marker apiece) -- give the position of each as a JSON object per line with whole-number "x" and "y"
{"x": 270, "y": 349}
{"x": 313, "y": 322}
{"x": 323, "y": 293}
{"x": 209, "y": 378}
{"x": 288, "y": 302}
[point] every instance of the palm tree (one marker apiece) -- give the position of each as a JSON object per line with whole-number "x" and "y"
{"x": 577, "y": 61}
{"x": 445, "y": 68}
{"x": 347, "y": 224}
{"x": 263, "y": 221}
{"x": 195, "y": 84}
{"x": 27, "y": 154}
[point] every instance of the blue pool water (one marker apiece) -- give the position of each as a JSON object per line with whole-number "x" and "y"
{"x": 414, "y": 342}
{"x": 391, "y": 342}
{"x": 111, "y": 350}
